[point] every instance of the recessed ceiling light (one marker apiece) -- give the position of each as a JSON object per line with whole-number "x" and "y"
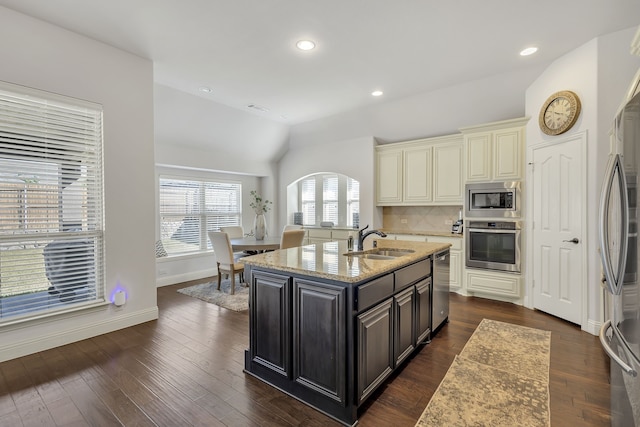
{"x": 258, "y": 107}
{"x": 305, "y": 45}
{"x": 528, "y": 51}
{"x": 376, "y": 93}
{"x": 206, "y": 89}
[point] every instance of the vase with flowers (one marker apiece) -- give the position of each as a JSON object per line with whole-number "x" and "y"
{"x": 260, "y": 206}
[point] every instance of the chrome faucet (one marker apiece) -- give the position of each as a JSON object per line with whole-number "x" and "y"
{"x": 362, "y": 236}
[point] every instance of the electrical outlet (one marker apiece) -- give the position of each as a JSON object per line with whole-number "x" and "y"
{"x": 448, "y": 222}
{"x": 403, "y": 221}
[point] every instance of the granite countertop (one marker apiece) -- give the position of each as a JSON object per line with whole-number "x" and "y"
{"x": 422, "y": 233}
{"x": 327, "y": 260}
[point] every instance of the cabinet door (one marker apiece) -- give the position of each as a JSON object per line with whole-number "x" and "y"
{"x": 447, "y": 175}
{"x": 455, "y": 270}
{"x": 374, "y": 349}
{"x": 319, "y": 343}
{"x": 423, "y": 310}
{"x": 404, "y": 336}
{"x": 418, "y": 175}
{"x": 389, "y": 177}
{"x": 478, "y": 156}
{"x": 507, "y": 154}
{"x": 270, "y": 322}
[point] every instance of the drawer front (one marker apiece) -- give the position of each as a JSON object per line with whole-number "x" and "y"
{"x": 320, "y": 234}
{"x": 373, "y": 292}
{"x": 342, "y": 234}
{"x": 411, "y": 274}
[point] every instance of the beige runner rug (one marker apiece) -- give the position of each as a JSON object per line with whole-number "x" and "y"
{"x": 501, "y": 378}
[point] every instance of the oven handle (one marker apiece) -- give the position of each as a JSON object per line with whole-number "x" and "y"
{"x": 493, "y": 230}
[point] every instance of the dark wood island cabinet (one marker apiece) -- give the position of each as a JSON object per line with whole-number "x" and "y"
{"x": 328, "y": 329}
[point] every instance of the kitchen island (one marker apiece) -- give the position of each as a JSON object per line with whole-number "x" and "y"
{"x": 329, "y": 328}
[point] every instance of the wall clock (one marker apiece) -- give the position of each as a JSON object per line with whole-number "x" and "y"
{"x": 559, "y": 112}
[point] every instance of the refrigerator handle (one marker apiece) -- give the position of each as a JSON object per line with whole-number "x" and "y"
{"x": 607, "y": 348}
{"x": 614, "y": 279}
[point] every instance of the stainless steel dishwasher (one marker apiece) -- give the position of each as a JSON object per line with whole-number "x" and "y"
{"x": 440, "y": 289}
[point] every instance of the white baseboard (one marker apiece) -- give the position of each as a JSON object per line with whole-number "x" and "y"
{"x": 84, "y": 331}
{"x": 593, "y": 327}
{"x": 185, "y": 277}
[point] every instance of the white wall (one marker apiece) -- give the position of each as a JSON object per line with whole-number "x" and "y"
{"x": 354, "y": 158}
{"x": 599, "y": 72}
{"x": 42, "y": 56}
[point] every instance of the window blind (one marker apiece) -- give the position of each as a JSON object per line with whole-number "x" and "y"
{"x": 353, "y": 202}
{"x": 308, "y": 201}
{"x": 189, "y": 208}
{"x": 330, "y": 198}
{"x": 51, "y": 203}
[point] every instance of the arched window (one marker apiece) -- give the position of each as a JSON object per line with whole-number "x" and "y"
{"x": 325, "y": 197}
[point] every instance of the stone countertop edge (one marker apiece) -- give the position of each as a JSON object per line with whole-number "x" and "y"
{"x": 328, "y": 260}
{"x": 422, "y": 233}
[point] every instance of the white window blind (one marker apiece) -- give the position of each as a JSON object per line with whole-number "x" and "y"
{"x": 189, "y": 208}
{"x": 308, "y": 201}
{"x": 353, "y": 202}
{"x": 330, "y": 198}
{"x": 338, "y": 196}
{"x": 51, "y": 203}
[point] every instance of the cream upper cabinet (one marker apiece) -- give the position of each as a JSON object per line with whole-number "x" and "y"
{"x": 422, "y": 172}
{"x": 447, "y": 172}
{"x": 495, "y": 151}
{"x": 418, "y": 171}
{"x": 389, "y": 176}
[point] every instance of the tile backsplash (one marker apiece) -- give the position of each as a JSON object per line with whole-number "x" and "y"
{"x": 419, "y": 218}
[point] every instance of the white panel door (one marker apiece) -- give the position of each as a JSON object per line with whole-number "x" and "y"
{"x": 558, "y": 192}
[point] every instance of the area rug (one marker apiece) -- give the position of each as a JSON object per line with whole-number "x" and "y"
{"x": 501, "y": 378}
{"x": 208, "y": 292}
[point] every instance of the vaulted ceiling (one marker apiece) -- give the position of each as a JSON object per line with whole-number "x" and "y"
{"x": 245, "y": 50}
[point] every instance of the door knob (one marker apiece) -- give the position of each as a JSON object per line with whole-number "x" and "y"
{"x": 574, "y": 240}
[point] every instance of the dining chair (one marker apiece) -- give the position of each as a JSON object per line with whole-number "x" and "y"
{"x": 291, "y": 239}
{"x": 225, "y": 260}
{"x": 234, "y": 231}
{"x": 292, "y": 227}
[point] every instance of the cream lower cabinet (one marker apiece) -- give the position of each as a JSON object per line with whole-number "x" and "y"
{"x": 456, "y": 260}
{"x": 317, "y": 235}
{"x": 495, "y": 151}
{"x": 421, "y": 172}
{"x": 507, "y": 285}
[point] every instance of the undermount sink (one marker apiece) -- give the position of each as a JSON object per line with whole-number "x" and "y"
{"x": 391, "y": 252}
{"x": 381, "y": 253}
{"x": 373, "y": 256}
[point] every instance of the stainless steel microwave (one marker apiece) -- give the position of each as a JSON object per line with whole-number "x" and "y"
{"x": 493, "y": 200}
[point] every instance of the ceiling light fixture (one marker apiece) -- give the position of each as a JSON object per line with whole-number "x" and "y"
{"x": 377, "y": 93}
{"x": 305, "y": 45}
{"x": 205, "y": 89}
{"x": 528, "y": 51}
{"x": 258, "y": 107}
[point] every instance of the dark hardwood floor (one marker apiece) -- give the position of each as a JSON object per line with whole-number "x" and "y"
{"x": 186, "y": 369}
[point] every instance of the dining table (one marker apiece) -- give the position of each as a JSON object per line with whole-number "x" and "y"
{"x": 252, "y": 244}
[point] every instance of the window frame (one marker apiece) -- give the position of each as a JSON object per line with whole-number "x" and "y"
{"x": 345, "y": 204}
{"x": 59, "y": 240}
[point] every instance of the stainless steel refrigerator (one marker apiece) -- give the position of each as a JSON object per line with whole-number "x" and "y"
{"x": 620, "y": 334}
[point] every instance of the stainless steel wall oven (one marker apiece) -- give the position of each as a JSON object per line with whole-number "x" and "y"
{"x": 493, "y": 245}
